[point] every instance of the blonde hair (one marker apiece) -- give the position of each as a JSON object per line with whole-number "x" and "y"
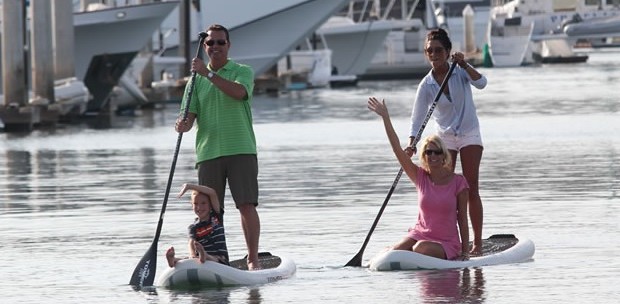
{"x": 434, "y": 139}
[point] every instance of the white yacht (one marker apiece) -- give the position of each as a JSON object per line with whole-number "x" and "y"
{"x": 261, "y": 31}
{"x": 557, "y": 25}
{"x": 401, "y": 55}
{"x": 508, "y": 41}
{"x": 307, "y": 68}
{"x": 353, "y": 43}
{"x": 107, "y": 40}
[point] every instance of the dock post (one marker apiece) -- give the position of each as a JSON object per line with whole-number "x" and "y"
{"x": 63, "y": 39}
{"x": 146, "y": 77}
{"x": 42, "y": 61}
{"x": 469, "y": 39}
{"x": 185, "y": 41}
{"x": 16, "y": 114}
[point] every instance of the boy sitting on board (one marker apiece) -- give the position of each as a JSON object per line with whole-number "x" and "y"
{"x": 207, "y": 241}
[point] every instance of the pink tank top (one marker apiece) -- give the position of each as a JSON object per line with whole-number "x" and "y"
{"x": 437, "y": 218}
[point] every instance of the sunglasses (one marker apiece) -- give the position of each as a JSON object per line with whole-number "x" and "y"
{"x": 212, "y": 42}
{"x": 431, "y": 152}
{"x": 435, "y": 50}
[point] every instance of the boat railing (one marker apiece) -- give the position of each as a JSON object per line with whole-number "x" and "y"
{"x": 94, "y": 5}
{"x": 363, "y": 10}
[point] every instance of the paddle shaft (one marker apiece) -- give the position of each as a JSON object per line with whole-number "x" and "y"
{"x": 144, "y": 273}
{"x": 357, "y": 259}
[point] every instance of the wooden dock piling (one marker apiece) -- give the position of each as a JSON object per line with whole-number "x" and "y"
{"x": 15, "y": 112}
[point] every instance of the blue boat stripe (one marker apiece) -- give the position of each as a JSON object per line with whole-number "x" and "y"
{"x": 395, "y": 266}
{"x": 218, "y": 279}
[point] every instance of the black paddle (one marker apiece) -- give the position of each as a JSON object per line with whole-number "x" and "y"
{"x": 144, "y": 274}
{"x": 356, "y": 261}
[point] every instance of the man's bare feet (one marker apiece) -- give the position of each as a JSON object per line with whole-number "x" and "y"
{"x": 202, "y": 254}
{"x": 172, "y": 261}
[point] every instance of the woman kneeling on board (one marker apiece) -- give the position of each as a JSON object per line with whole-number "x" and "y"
{"x": 442, "y": 196}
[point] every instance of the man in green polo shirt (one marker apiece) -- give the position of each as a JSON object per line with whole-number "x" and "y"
{"x": 225, "y": 142}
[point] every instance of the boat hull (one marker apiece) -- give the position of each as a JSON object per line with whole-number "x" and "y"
{"x": 107, "y": 40}
{"x": 560, "y": 59}
{"x": 508, "y": 44}
{"x": 287, "y": 22}
{"x": 355, "y": 45}
{"x": 500, "y": 249}
{"x": 190, "y": 274}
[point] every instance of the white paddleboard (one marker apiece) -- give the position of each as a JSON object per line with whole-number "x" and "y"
{"x": 497, "y": 249}
{"x": 190, "y": 274}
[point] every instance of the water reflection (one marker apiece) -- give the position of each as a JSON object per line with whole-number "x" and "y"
{"x": 549, "y": 167}
{"x": 18, "y": 168}
{"x": 452, "y": 285}
{"x": 314, "y": 105}
{"x": 71, "y": 179}
{"x": 214, "y": 295}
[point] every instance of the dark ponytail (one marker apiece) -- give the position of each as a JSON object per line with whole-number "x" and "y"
{"x": 440, "y": 35}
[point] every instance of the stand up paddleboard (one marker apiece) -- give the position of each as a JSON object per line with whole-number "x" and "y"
{"x": 188, "y": 273}
{"x": 497, "y": 249}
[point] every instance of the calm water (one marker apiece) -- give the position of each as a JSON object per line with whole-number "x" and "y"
{"x": 79, "y": 207}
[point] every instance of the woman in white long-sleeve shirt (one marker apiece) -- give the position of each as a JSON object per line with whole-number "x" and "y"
{"x": 455, "y": 116}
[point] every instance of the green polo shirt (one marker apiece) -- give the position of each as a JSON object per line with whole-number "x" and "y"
{"x": 224, "y": 124}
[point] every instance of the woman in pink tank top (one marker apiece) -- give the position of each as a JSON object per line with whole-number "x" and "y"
{"x": 441, "y": 230}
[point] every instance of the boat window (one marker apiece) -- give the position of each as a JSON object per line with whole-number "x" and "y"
{"x": 615, "y": 3}
{"x": 564, "y": 5}
{"x": 412, "y": 41}
{"x": 512, "y": 21}
{"x": 592, "y": 2}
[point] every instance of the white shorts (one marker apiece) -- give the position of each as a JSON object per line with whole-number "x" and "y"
{"x": 457, "y": 142}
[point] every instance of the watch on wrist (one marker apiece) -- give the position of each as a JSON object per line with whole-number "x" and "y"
{"x": 210, "y": 75}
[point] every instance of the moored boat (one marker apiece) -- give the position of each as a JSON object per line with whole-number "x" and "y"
{"x": 558, "y": 51}
{"x": 287, "y": 22}
{"x": 497, "y": 249}
{"x": 508, "y": 41}
{"x": 598, "y": 27}
{"x": 353, "y": 44}
{"x": 106, "y": 39}
{"x": 190, "y": 274}
{"x": 556, "y": 20}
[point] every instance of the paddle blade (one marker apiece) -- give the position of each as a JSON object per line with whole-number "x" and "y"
{"x": 356, "y": 261}
{"x": 144, "y": 274}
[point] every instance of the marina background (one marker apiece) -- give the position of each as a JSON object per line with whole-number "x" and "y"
{"x": 71, "y": 60}
{"x": 79, "y": 206}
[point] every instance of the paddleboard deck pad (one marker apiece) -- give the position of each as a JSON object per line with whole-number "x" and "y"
{"x": 189, "y": 274}
{"x": 497, "y": 249}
